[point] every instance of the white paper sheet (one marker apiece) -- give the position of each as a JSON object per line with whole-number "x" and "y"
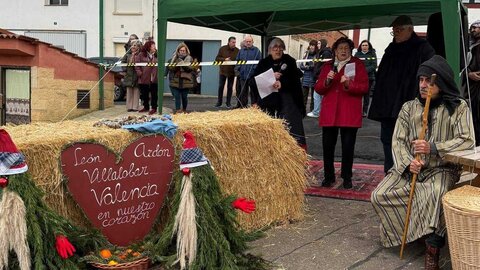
{"x": 350, "y": 70}
{"x": 265, "y": 83}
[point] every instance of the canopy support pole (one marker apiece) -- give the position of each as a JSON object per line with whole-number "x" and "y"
{"x": 101, "y": 95}
{"x": 162, "y": 40}
{"x": 264, "y": 46}
{"x": 451, "y": 28}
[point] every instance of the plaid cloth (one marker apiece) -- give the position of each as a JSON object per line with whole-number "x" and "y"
{"x": 192, "y": 155}
{"x": 8, "y": 160}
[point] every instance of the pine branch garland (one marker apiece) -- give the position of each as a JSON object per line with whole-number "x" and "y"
{"x": 221, "y": 242}
{"x": 43, "y": 225}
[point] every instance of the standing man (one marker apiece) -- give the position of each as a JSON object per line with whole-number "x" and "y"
{"x": 226, "y": 53}
{"x": 449, "y": 129}
{"x": 245, "y": 72}
{"x": 473, "y": 70}
{"x": 396, "y": 80}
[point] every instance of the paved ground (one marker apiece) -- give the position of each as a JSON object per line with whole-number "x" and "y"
{"x": 336, "y": 234}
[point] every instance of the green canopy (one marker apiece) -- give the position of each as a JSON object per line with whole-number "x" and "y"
{"x": 285, "y": 17}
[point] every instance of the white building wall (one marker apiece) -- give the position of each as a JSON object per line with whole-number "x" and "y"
{"x": 121, "y": 19}
{"x": 473, "y": 14}
{"x": 20, "y": 15}
{"x": 119, "y": 23}
{"x": 296, "y": 48}
{"x": 380, "y": 37}
{"x": 178, "y": 31}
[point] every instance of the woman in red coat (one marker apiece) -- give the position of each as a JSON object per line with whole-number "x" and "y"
{"x": 342, "y": 82}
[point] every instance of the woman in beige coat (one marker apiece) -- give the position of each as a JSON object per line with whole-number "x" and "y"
{"x": 131, "y": 80}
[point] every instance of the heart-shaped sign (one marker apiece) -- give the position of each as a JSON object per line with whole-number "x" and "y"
{"x": 121, "y": 196}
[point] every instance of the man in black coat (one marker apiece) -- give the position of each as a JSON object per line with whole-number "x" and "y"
{"x": 396, "y": 80}
{"x": 473, "y": 71}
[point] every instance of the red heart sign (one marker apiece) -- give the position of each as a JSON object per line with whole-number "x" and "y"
{"x": 121, "y": 198}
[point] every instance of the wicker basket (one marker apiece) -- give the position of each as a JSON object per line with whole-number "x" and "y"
{"x": 462, "y": 215}
{"x": 141, "y": 264}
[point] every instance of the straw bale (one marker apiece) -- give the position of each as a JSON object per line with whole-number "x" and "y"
{"x": 252, "y": 154}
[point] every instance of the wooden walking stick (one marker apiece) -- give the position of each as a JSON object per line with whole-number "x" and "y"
{"x": 417, "y": 157}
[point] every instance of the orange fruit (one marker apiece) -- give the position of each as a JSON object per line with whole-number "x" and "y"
{"x": 136, "y": 254}
{"x": 129, "y": 251}
{"x": 105, "y": 253}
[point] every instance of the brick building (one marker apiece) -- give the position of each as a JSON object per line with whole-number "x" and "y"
{"x": 41, "y": 82}
{"x": 330, "y": 36}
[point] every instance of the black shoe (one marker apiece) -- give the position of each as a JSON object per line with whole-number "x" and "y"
{"x": 218, "y": 105}
{"x": 327, "y": 183}
{"x": 229, "y": 106}
{"x": 347, "y": 183}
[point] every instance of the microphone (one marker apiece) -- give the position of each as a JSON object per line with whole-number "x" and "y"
{"x": 283, "y": 67}
{"x": 335, "y": 65}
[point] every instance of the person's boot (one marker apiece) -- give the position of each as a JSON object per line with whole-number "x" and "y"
{"x": 347, "y": 183}
{"x": 327, "y": 182}
{"x": 152, "y": 111}
{"x": 432, "y": 256}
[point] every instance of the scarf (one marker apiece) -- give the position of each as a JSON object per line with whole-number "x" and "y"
{"x": 343, "y": 63}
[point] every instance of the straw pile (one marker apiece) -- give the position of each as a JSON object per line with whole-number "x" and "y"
{"x": 252, "y": 154}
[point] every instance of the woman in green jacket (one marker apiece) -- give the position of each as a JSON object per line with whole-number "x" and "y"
{"x": 367, "y": 53}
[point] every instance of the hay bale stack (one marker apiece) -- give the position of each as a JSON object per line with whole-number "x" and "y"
{"x": 253, "y": 156}
{"x": 42, "y": 143}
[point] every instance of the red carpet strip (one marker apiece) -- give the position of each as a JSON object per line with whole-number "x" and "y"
{"x": 365, "y": 179}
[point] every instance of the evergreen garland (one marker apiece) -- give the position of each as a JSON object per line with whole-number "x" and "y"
{"x": 221, "y": 242}
{"x": 43, "y": 225}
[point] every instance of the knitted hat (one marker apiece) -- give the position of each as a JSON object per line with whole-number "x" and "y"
{"x": 475, "y": 24}
{"x": 191, "y": 155}
{"x": 11, "y": 161}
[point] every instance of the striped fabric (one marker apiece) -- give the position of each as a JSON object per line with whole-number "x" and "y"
{"x": 390, "y": 198}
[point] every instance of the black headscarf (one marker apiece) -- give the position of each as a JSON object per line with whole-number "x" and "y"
{"x": 449, "y": 93}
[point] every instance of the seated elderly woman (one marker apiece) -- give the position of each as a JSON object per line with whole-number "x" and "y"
{"x": 287, "y": 103}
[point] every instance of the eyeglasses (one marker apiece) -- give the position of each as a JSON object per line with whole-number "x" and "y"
{"x": 397, "y": 29}
{"x": 276, "y": 48}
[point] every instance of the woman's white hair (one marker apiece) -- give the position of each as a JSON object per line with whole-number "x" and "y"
{"x": 276, "y": 42}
